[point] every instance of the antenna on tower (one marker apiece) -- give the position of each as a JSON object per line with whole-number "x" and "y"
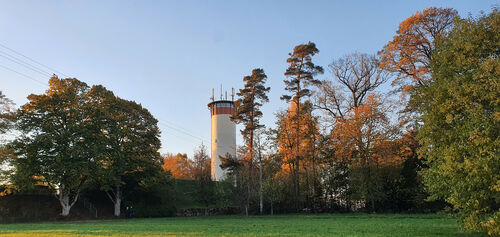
{"x": 226, "y": 96}
{"x": 212, "y": 98}
{"x": 232, "y": 94}
{"x": 220, "y": 91}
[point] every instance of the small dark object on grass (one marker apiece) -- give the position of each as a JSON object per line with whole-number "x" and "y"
{"x": 129, "y": 212}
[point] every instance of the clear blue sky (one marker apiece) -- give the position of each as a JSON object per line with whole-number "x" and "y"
{"x": 167, "y": 55}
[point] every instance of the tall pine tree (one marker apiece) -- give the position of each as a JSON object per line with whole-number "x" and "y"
{"x": 300, "y": 75}
{"x": 248, "y": 112}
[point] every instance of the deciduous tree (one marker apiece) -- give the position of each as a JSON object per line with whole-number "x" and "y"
{"x": 460, "y": 110}
{"x": 179, "y": 165}
{"x": 6, "y": 121}
{"x": 206, "y": 187}
{"x": 6, "y": 109}
{"x": 355, "y": 76}
{"x": 286, "y": 138}
{"x": 56, "y": 144}
{"x": 128, "y": 140}
{"x": 409, "y": 53}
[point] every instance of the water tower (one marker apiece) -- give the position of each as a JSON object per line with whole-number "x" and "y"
{"x": 223, "y": 139}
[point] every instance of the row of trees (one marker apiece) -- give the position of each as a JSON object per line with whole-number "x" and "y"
{"x": 75, "y": 136}
{"x": 341, "y": 144}
{"x": 348, "y": 146}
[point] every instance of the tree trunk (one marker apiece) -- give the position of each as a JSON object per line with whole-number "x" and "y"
{"x": 297, "y": 143}
{"x": 261, "y": 202}
{"x": 117, "y": 207}
{"x": 64, "y": 200}
{"x": 248, "y": 197}
{"x": 65, "y": 210}
{"x": 272, "y": 211}
{"x": 118, "y": 201}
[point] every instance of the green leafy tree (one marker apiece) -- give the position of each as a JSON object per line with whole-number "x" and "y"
{"x": 56, "y": 145}
{"x": 128, "y": 139}
{"x": 248, "y": 112}
{"x": 460, "y": 110}
{"x": 300, "y": 75}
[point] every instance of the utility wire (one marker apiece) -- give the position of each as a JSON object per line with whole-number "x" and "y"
{"x": 16, "y": 60}
{"x": 178, "y": 130}
{"x": 177, "y": 136}
{"x": 178, "y": 126}
{"x": 22, "y": 74}
{"x": 32, "y": 60}
{"x": 45, "y": 73}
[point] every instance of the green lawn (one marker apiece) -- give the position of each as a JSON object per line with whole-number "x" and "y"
{"x": 281, "y": 225}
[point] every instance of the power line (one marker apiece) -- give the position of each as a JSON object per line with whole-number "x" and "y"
{"x": 22, "y": 74}
{"x": 24, "y": 56}
{"x": 183, "y": 138}
{"x": 186, "y": 133}
{"x": 16, "y": 60}
{"x": 42, "y": 71}
{"x": 178, "y": 126}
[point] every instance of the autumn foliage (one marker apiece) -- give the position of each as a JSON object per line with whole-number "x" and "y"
{"x": 180, "y": 166}
{"x": 410, "y": 52}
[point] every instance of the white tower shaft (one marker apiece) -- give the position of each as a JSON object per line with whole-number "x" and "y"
{"x": 223, "y": 139}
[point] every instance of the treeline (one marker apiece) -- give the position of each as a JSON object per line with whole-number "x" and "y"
{"x": 343, "y": 145}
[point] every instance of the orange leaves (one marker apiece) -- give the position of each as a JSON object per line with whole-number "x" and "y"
{"x": 410, "y": 51}
{"x": 362, "y": 138}
{"x": 179, "y": 165}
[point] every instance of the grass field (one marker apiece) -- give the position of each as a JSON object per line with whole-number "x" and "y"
{"x": 281, "y": 225}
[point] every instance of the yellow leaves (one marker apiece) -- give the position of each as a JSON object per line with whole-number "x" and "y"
{"x": 493, "y": 224}
{"x": 496, "y": 116}
{"x": 449, "y": 118}
{"x": 496, "y": 187}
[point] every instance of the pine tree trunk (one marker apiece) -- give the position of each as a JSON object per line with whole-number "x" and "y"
{"x": 297, "y": 144}
{"x": 261, "y": 202}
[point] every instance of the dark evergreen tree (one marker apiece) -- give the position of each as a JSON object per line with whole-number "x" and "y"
{"x": 248, "y": 112}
